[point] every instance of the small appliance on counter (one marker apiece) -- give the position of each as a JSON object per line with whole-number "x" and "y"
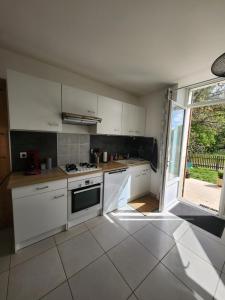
{"x": 105, "y": 157}
{"x": 33, "y": 165}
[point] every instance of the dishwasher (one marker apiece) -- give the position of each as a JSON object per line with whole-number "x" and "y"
{"x": 116, "y": 189}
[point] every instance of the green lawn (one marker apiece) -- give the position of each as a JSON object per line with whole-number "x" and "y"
{"x": 204, "y": 174}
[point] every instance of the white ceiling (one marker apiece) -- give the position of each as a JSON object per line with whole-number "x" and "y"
{"x": 135, "y": 45}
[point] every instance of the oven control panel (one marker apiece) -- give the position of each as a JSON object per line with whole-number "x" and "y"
{"x": 84, "y": 183}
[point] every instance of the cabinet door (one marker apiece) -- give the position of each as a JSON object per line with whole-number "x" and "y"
{"x": 128, "y": 116}
{"x": 140, "y": 180}
{"x": 145, "y": 180}
{"x": 135, "y": 181}
{"x": 78, "y": 101}
{"x": 37, "y": 214}
{"x": 133, "y": 120}
{"x": 139, "y": 113}
{"x": 34, "y": 103}
{"x": 110, "y": 111}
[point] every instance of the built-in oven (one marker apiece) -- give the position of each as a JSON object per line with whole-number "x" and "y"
{"x": 84, "y": 199}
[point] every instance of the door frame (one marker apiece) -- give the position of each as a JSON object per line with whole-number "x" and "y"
{"x": 166, "y": 153}
{"x": 185, "y": 137}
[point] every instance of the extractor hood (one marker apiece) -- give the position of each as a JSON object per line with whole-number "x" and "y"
{"x": 75, "y": 119}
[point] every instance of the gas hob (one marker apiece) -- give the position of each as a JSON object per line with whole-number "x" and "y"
{"x": 79, "y": 168}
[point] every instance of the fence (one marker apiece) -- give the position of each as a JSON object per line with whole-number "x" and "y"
{"x": 215, "y": 162}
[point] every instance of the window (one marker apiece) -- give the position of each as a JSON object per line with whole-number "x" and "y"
{"x": 212, "y": 92}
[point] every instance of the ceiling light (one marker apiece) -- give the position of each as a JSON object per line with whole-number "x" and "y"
{"x": 218, "y": 67}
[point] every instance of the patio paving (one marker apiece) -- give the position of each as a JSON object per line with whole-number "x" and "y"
{"x": 202, "y": 192}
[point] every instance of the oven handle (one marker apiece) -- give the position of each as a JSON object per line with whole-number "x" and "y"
{"x": 88, "y": 189}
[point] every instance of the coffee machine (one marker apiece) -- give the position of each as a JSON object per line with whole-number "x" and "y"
{"x": 33, "y": 166}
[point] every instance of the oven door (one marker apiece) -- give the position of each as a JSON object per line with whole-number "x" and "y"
{"x": 85, "y": 198}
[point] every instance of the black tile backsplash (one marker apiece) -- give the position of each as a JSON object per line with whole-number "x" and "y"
{"x": 21, "y": 141}
{"x": 135, "y": 146}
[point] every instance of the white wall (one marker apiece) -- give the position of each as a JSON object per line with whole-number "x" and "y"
{"x": 11, "y": 60}
{"x": 154, "y": 104}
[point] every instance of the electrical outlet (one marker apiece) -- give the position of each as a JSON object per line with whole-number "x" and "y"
{"x": 23, "y": 154}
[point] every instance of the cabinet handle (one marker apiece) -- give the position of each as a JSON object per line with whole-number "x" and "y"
{"x": 42, "y": 188}
{"x": 91, "y": 111}
{"x": 60, "y": 196}
{"x": 53, "y": 124}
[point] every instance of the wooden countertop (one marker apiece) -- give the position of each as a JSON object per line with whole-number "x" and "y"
{"x": 18, "y": 179}
{"x": 110, "y": 166}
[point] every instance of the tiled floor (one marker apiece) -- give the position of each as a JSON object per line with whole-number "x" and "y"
{"x": 124, "y": 255}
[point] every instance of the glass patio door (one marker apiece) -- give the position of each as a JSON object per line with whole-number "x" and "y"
{"x": 172, "y": 167}
{"x": 222, "y": 199}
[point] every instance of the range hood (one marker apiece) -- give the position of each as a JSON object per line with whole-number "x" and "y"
{"x": 75, "y": 119}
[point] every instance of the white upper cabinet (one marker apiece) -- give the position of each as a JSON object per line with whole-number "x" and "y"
{"x": 140, "y": 120}
{"x": 78, "y": 101}
{"x": 133, "y": 120}
{"x": 34, "y": 103}
{"x": 110, "y": 111}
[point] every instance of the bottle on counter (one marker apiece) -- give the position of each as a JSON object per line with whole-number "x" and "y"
{"x": 105, "y": 157}
{"x": 49, "y": 163}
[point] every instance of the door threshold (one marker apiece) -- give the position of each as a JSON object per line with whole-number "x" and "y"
{"x": 204, "y": 208}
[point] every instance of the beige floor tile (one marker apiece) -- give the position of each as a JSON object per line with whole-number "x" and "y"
{"x": 31, "y": 251}
{"x": 73, "y": 231}
{"x": 109, "y": 234}
{"x": 60, "y": 293}
{"x": 3, "y": 285}
{"x": 78, "y": 252}
{"x": 36, "y": 277}
{"x": 156, "y": 241}
{"x": 162, "y": 284}
{"x": 200, "y": 276}
{"x": 100, "y": 281}
{"x": 220, "y": 291}
{"x": 133, "y": 261}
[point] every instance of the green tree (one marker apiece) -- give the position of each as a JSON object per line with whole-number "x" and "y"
{"x": 208, "y": 123}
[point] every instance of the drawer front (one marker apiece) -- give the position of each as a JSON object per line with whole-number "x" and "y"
{"x": 36, "y": 214}
{"x": 39, "y": 188}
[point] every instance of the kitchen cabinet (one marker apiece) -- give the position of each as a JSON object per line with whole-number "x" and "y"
{"x": 38, "y": 211}
{"x": 34, "y": 103}
{"x": 110, "y": 111}
{"x": 140, "y": 181}
{"x": 79, "y": 101}
{"x": 133, "y": 120}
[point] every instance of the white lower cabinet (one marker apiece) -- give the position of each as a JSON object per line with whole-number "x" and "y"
{"x": 38, "y": 214}
{"x": 140, "y": 181}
